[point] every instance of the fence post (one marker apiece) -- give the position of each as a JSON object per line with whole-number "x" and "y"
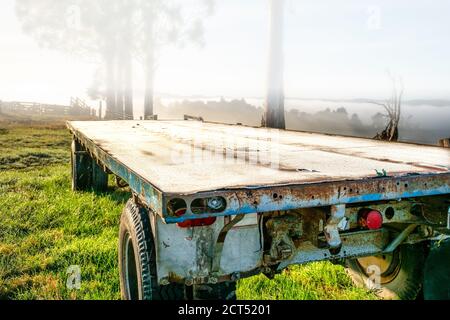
{"x": 445, "y": 143}
{"x": 100, "y": 109}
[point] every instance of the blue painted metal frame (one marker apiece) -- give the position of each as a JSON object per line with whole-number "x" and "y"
{"x": 286, "y": 197}
{"x": 148, "y": 193}
{"x": 323, "y": 194}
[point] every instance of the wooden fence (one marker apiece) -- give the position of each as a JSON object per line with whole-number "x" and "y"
{"x": 77, "y": 107}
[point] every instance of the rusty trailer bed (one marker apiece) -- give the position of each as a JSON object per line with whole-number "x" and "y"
{"x": 258, "y": 169}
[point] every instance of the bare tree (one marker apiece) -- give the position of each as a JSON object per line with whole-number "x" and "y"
{"x": 112, "y": 33}
{"x": 94, "y": 35}
{"x": 392, "y": 108}
{"x": 162, "y": 23}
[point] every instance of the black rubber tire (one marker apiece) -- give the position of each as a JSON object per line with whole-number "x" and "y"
{"x": 219, "y": 291}
{"x": 436, "y": 285}
{"x": 81, "y": 164}
{"x": 86, "y": 173}
{"x": 405, "y": 283}
{"x": 135, "y": 232}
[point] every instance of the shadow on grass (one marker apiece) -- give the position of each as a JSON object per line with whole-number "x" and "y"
{"x": 116, "y": 194}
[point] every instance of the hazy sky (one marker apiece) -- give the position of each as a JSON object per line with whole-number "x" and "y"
{"x": 334, "y": 49}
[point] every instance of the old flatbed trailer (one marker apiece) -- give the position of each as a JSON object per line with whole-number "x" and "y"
{"x": 213, "y": 203}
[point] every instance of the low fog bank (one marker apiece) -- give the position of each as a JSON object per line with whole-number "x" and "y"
{"x": 413, "y": 126}
{"x": 421, "y": 124}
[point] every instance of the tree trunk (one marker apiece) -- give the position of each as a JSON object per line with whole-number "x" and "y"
{"x": 274, "y": 113}
{"x": 128, "y": 86}
{"x": 148, "y": 100}
{"x": 390, "y": 133}
{"x": 111, "y": 109}
{"x": 149, "y": 65}
{"x": 127, "y": 61}
{"x": 120, "y": 92}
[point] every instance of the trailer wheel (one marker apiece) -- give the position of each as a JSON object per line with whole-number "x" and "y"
{"x": 400, "y": 273}
{"x": 137, "y": 260}
{"x": 86, "y": 173}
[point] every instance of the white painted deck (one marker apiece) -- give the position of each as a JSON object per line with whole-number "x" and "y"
{"x": 190, "y": 156}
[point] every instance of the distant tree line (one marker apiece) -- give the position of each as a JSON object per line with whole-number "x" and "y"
{"x": 333, "y": 121}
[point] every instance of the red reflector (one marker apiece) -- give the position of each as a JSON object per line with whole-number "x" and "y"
{"x": 372, "y": 219}
{"x": 180, "y": 212}
{"x": 194, "y": 222}
{"x": 197, "y": 222}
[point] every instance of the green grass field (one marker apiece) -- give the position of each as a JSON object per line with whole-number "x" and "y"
{"x": 45, "y": 228}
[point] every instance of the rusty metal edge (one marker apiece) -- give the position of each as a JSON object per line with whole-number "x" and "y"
{"x": 261, "y": 199}
{"x": 289, "y": 197}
